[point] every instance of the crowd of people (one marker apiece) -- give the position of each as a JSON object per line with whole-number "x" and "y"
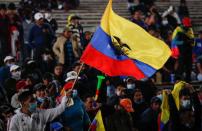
{"x": 39, "y": 68}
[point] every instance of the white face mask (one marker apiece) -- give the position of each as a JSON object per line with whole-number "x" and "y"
{"x": 131, "y": 86}
{"x": 199, "y": 77}
{"x": 186, "y": 103}
{"x": 47, "y": 16}
{"x": 165, "y": 22}
{"x": 9, "y": 64}
{"x": 28, "y": 21}
{"x": 118, "y": 93}
{"x": 160, "y": 96}
{"x": 16, "y": 75}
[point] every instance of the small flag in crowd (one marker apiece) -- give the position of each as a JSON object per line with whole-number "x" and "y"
{"x": 176, "y": 91}
{"x": 165, "y": 113}
{"x": 122, "y": 48}
{"x": 97, "y": 124}
{"x": 176, "y": 40}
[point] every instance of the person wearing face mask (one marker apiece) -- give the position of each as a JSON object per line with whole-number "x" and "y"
{"x": 130, "y": 84}
{"x": 51, "y": 21}
{"x": 159, "y": 94}
{"x": 29, "y": 118}
{"x": 139, "y": 105}
{"x": 119, "y": 93}
{"x": 188, "y": 116}
{"x": 74, "y": 118}
{"x": 110, "y": 89}
{"x": 5, "y": 70}
{"x": 15, "y": 72}
{"x": 27, "y": 25}
{"x": 42, "y": 100}
{"x": 10, "y": 83}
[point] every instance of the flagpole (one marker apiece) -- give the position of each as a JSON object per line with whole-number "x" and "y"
{"x": 77, "y": 76}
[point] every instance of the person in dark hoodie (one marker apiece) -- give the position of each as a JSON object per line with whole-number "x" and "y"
{"x": 150, "y": 116}
{"x": 139, "y": 105}
{"x": 121, "y": 119}
{"x": 188, "y": 117}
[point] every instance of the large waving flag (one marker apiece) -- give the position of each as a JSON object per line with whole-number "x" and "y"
{"x": 97, "y": 124}
{"x": 120, "y": 47}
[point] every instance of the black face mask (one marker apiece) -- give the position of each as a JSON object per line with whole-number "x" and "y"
{"x": 186, "y": 28}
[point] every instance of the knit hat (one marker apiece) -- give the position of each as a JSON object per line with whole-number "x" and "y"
{"x": 21, "y": 85}
{"x": 127, "y": 104}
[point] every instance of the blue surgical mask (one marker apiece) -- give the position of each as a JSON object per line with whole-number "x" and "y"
{"x": 40, "y": 99}
{"x": 110, "y": 91}
{"x": 140, "y": 101}
{"x": 74, "y": 93}
{"x": 131, "y": 86}
{"x": 160, "y": 96}
{"x": 32, "y": 107}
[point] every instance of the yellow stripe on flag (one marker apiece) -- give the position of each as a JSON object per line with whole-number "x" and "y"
{"x": 144, "y": 47}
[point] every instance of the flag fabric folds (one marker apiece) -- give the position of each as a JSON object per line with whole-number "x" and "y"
{"x": 175, "y": 40}
{"x": 165, "y": 113}
{"x": 122, "y": 48}
{"x": 175, "y": 92}
{"x": 97, "y": 123}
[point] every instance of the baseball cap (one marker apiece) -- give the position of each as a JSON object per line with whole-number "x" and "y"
{"x": 71, "y": 76}
{"x": 186, "y": 21}
{"x": 38, "y": 16}
{"x": 127, "y": 104}
{"x": 8, "y": 58}
{"x": 14, "y": 67}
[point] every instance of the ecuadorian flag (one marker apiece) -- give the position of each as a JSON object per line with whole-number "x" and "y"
{"x": 122, "y": 48}
{"x": 97, "y": 123}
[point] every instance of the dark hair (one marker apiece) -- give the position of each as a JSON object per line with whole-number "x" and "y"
{"x": 6, "y": 109}
{"x": 155, "y": 100}
{"x": 48, "y": 76}
{"x": 184, "y": 92}
{"x": 59, "y": 64}
{"x": 24, "y": 96}
{"x": 85, "y": 97}
{"x": 137, "y": 90}
{"x": 3, "y": 7}
{"x": 11, "y": 6}
{"x": 39, "y": 86}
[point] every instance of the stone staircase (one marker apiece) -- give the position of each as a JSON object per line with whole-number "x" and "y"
{"x": 91, "y": 12}
{"x": 195, "y": 10}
